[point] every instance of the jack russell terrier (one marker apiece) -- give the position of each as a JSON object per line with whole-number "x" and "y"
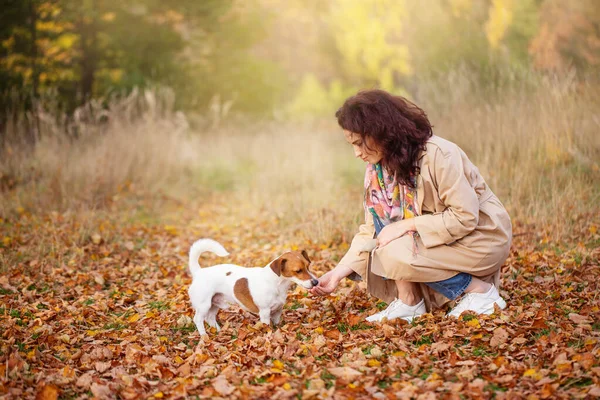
{"x": 260, "y": 290}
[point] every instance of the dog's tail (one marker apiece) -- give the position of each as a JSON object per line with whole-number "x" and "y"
{"x": 200, "y": 247}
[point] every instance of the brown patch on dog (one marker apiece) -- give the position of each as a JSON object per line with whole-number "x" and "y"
{"x": 228, "y": 273}
{"x": 279, "y": 264}
{"x": 242, "y": 293}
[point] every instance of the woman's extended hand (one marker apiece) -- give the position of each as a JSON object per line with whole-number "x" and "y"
{"x": 395, "y": 230}
{"x": 329, "y": 281}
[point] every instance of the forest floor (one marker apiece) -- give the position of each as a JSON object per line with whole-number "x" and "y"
{"x": 97, "y": 307}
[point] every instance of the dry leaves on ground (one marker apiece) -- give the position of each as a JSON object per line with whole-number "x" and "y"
{"x": 106, "y": 315}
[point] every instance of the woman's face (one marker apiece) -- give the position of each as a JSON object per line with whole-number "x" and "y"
{"x": 368, "y": 152}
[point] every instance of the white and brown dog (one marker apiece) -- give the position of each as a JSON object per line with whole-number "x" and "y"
{"x": 260, "y": 290}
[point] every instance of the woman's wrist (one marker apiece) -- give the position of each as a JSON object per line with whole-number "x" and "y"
{"x": 340, "y": 272}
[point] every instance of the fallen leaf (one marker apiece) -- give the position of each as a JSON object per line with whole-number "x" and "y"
{"x": 48, "y": 392}
{"x": 102, "y": 366}
{"x": 579, "y": 319}
{"x": 500, "y": 337}
{"x": 346, "y": 373}
{"x": 222, "y": 386}
{"x": 84, "y": 380}
{"x": 101, "y": 391}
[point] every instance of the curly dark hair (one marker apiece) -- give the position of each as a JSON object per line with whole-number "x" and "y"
{"x": 394, "y": 124}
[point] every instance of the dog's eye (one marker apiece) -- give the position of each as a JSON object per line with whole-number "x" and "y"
{"x": 298, "y": 270}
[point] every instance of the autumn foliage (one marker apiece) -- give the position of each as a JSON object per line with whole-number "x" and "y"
{"x": 105, "y": 314}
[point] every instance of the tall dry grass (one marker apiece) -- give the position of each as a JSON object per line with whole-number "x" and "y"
{"x": 536, "y": 140}
{"x": 536, "y": 143}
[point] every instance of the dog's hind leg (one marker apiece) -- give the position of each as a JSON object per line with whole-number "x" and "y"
{"x": 276, "y": 316}
{"x": 211, "y": 317}
{"x": 201, "y": 315}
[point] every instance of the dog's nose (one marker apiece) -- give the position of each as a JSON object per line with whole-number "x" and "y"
{"x": 314, "y": 282}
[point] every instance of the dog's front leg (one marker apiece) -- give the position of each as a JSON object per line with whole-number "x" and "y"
{"x": 265, "y": 316}
{"x": 276, "y": 315}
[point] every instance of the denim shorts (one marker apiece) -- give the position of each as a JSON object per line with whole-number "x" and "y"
{"x": 451, "y": 287}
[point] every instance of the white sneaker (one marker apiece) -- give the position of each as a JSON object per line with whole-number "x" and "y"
{"x": 397, "y": 309}
{"x": 480, "y": 303}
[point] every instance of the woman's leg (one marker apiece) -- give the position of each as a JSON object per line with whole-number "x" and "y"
{"x": 478, "y": 286}
{"x": 408, "y": 304}
{"x": 409, "y": 292}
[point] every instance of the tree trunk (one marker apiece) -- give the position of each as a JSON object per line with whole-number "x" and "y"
{"x": 89, "y": 52}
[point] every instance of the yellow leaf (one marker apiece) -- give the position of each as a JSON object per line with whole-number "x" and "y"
{"x": 593, "y": 229}
{"x": 6, "y": 241}
{"x": 159, "y": 395}
{"x": 278, "y": 364}
{"x": 178, "y": 360}
{"x": 532, "y": 372}
{"x": 134, "y": 318}
{"x": 474, "y": 323}
{"x": 351, "y": 386}
{"x": 319, "y": 330}
{"x": 478, "y": 336}
{"x": 287, "y": 386}
{"x": 433, "y": 377}
{"x": 163, "y": 339}
{"x": 399, "y": 354}
{"x": 171, "y": 229}
{"x": 373, "y": 363}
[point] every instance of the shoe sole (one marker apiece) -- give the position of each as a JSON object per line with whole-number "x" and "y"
{"x": 487, "y": 311}
{"x": 408, "y": 319}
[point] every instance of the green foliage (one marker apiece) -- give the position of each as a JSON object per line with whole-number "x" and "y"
{"x": 79, "y": 50}
{"x": 301, "y": 57}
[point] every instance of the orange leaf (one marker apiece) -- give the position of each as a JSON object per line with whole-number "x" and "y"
{"x": 332, "y": 334}
{"x": 48, "y": 392}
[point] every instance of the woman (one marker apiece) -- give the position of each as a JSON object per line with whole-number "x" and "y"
{"x": 440, "y": 231}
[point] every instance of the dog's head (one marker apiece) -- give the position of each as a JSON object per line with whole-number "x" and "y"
{"x": 293, "y": 265}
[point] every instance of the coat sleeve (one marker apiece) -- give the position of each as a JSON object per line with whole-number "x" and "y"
{"x": 355, "y": 258}
{"x": 461, "y": 215}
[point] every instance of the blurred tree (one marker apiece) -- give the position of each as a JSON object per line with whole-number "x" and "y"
{"x": 569, "y": 35}
{"x": 76, "y": 50}
{"x": 372, "y": 52}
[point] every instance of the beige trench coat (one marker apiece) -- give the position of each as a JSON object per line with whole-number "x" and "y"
{"x": 462, "y": 227}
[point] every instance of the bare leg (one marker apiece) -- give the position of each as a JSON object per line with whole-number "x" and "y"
{"x": 477, "y": 286}
{"x": 409, "y": 292}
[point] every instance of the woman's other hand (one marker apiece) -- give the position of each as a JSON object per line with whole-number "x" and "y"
{"x": 394, "y": 231}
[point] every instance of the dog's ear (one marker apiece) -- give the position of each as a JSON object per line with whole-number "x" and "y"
{"x": 278, "y": 265}
{"x": 305, "y": 255}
